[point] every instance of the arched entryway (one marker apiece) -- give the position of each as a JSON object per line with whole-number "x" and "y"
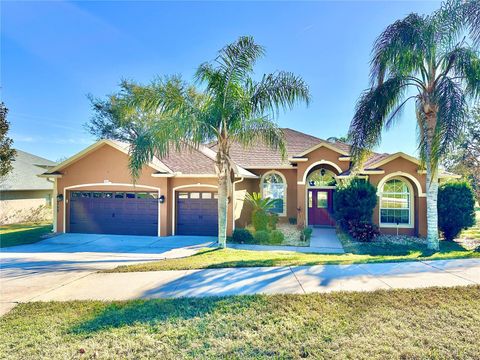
{"x": 320, "y": 186}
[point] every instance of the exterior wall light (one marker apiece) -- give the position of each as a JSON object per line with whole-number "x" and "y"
{"x": 161, "y": 199}
{"x": 60, "y": 197}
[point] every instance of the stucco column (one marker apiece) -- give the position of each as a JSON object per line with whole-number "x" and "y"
{"x": 301, "y": 211}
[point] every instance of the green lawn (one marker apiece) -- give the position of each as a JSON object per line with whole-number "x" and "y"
{"x": 474, "y": 231}
{"x": 228, "y": 258}
{"x": 434, "y": 323}
{"x": 20, "y": 234}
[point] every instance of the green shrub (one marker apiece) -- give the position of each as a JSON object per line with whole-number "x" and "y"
{"x": 354, "y": 201}
{"x": 292, "y": 220}
{"x": 456, "y": 208}
{"x": 272, "y": 221}
{"x": 306, "y": 234}
{"x": 262, "y": 237}
{"x": 260, "y": 220}
{"x": 276, "y": 237}
{"x": 363, "y": 230}
{"x": 242, "y": 236}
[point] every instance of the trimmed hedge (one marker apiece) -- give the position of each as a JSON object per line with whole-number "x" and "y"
{"x": 276, "y": 237}
{"x": 260, "y": 220}
{"x": 354, "y": 201}
{"x": 262, "y": 236}
{"x": 456, "y": 208}
{"x": 242, "y": 236}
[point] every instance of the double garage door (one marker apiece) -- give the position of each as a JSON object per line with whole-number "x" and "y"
{"x": 136, "y": 213}
{"x": 122, "y": 213}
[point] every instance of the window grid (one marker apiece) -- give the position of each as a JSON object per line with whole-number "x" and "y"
{"x": 274, "y": 187}
{"x": 395, "y": 203}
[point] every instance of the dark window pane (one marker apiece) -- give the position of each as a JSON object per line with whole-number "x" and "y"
{"x": 119, "y": 195}
{"x": 130, "y": 195}
{"x": 108, "y": 195}
{"x": 97, "y": 195}
{"x": 85, "y": 194}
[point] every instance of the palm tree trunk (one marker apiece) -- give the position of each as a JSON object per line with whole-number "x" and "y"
{"x": 432, "y": 212}
{"x": 223, "y": 178}
{"x": 432, "y": 180}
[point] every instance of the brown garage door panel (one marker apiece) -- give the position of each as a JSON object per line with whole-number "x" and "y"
{"x": 114, "y": 216}
{"x": 197, "y": 216}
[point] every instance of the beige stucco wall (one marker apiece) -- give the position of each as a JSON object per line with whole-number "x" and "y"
{"x": 420, "y": 216}
{"x": 25, "y": 205}
{"x": 325, "y": 156}
{"x": 109, "y": 164}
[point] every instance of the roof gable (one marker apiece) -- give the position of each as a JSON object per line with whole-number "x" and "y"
{"x": 325, "y": 144}
{"x": 118, "y": 145}
{"x": 23, "y": 176}
{"x": 383, "y": 159}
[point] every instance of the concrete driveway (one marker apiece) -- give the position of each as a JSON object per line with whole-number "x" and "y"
{"x": 28, "y": 271}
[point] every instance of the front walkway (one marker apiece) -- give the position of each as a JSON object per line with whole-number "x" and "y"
{"x": 323, "y": 241}
{"x": 268, "y": 280}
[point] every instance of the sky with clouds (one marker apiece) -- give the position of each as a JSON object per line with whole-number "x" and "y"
{"x": 55, "y": 53}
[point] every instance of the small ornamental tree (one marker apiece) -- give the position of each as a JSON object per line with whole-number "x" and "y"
{"x": 456, "y": 208}
{"x": 354, "y": 203}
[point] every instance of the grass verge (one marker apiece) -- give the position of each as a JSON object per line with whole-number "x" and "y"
{"x": 21, "y": 234}
{"x": 434, "y": 323}
{"x": 231, "y": 258}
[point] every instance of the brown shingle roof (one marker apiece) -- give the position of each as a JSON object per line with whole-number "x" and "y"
{"x": 189, "y": 161}
{"x": 262, "y": 155}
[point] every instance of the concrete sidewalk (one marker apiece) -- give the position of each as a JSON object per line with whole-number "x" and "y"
{"x": 268, "y": 280}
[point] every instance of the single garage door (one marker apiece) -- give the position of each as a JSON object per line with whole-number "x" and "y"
{"x": 121, "y": 213}
{"x": 197, "y": 213}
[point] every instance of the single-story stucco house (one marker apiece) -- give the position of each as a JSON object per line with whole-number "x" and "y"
{"x": 177, "y": 195}
{"x": 23, "y": 195}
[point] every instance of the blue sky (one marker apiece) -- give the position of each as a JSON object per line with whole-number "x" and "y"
{"x": 55, "y": 53}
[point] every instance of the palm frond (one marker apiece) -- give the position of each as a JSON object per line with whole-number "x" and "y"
{"x": 281, "y": 90}
{"x": 371, "y": 114}
{"x": 451, "y": 118}
{"x": 260, "y": 129}
{"x": 400, "y": 49}
{"x": 464, "y": 62}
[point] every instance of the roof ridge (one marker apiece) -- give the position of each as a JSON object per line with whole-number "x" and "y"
{"x": 302, "y": 133}
{"x": 34, "y": 156}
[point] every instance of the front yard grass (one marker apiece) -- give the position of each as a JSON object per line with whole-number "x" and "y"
{"x": 474, "y": 231}
{"x": 231, "y": 258}
{"x": 21, "y": 234}
{"x": 433, "y": 323}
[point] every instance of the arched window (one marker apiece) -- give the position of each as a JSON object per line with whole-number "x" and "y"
{"x": 395, "y": 203}
{"x": 274, "y": 186}
{"x": 321, "y": 177}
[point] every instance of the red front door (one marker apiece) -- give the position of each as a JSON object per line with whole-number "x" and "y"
{"x": 320, "y": 207}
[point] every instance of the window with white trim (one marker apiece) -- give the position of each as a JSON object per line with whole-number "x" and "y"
{"x": 274, "y": 187}
{"x": 395, "y": 203}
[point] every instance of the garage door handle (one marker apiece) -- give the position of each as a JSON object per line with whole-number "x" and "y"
{"x": 113, "y": 214}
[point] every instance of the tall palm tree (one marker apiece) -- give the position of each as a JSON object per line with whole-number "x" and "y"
{"x": 233, "y": 107}
{"x": 434, "y": 61}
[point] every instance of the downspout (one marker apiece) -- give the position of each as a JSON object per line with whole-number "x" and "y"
{"x": 54, "y": 203}
{"x": 233, "y": 201}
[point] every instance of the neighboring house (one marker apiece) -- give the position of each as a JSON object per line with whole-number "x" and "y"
{"x": 178, "y": 194}
{"x": 23, "y": 195}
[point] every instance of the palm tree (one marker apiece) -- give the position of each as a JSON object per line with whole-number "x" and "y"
{"x": 258, "y": 203}
{"x": 233, "y": 107}
{"x": 434, "y": 61}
